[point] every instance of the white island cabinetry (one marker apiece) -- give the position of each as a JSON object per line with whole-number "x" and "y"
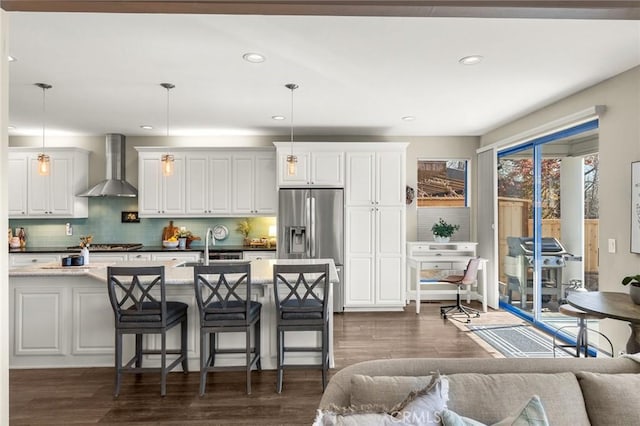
{"x": 62, "y": 317}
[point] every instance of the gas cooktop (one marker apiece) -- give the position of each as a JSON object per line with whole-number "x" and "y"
{"x": 111, "y": 246}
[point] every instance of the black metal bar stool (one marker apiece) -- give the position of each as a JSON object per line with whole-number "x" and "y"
{"x": 582, "y": 337}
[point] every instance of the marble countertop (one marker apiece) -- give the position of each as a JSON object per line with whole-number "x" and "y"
{"x": 261, "y": 270}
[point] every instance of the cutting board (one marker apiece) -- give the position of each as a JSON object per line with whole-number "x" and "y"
{"x": 169, "y": 231}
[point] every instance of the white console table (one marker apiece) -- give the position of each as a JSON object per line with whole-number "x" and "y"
{"x": 452, "y": 256}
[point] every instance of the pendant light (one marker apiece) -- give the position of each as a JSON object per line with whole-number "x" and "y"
{"x": 43, "y": 159}
{"x": 167, "y": 159}
{"x": 291, "y": 159}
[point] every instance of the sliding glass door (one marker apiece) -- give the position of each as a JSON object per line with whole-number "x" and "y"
{"x": 547, "y": 221}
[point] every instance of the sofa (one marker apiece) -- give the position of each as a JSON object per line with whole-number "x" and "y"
{"x": 573, "y": 391}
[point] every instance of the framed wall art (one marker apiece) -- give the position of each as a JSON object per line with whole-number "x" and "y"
{"x": 635, "y": 207}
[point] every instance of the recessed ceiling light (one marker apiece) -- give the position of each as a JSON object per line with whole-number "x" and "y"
{"x": 408, "y": 118}
{"x": 278, "y": 117}
{"x": 11, "y": 58}
{"x": 254, "y": 58}
{"x": 146, "y": 127}
{"x": 471, "y": 60}
{"x": 10, "y": 128}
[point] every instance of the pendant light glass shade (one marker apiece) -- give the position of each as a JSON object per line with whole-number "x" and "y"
{"x": 167, "y": 164}
{"x": 292, "y": 160}
{"x": 43, "y": 159}
{"x": 43, "y": 164}
{"x": 168, "y": 160}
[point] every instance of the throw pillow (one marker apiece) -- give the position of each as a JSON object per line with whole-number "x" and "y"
{"x": 385, "y": 391}
{"x": 611, "y": 399}
{"x": 421, "y": 407}
{"x": 532, "y": 414}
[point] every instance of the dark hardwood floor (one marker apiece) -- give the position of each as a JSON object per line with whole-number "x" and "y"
{"x": 84, "y": 395}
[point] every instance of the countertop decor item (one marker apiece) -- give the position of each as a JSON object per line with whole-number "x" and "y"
{"x": 244, "y": 227}
{"x": 220, "y": 232}
{"x": 442, "y": 231}
{"x": 170, "y": 243}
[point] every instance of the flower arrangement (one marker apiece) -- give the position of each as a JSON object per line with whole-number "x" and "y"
{"x": 85, "y": 241}
{"x": 444, "y": 229}
{"x": 244, "y": 227}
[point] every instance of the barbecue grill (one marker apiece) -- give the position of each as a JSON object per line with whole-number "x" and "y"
{"x": 519, "y": 267}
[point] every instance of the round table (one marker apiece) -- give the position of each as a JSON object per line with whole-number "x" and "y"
{"x": 612, "y": 305}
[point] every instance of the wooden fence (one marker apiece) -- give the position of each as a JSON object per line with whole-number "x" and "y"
{"x": 513, "y": 220}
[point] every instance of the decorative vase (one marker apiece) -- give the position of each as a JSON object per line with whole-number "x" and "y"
{"x": 182, "y": 243}
{"x": 634, "y": 292}
{"x": 85, "y": 255}
{"x": 439, "y": 239}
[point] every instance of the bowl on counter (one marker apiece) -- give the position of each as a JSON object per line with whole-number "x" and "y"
{"x": 170, "y": 244}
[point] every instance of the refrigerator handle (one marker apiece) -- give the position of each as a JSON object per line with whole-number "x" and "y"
{"x": 312, "y": 251}
{"x": 308, "y": 226}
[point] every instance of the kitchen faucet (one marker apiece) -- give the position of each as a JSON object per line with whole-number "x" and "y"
{"x": 206, "y": 245}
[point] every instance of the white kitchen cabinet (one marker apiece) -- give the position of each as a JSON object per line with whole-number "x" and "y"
{"x": 374, "y": 257}
{"x": 17, "y": 171}
{"x": 188, "y": 256}
{"x": 316, "y": 166}
{"x": 159, "y": 195}
{"x": 375, "y": 222}
{"x": 38, "y": 317}
{"x": 25, "y": 259}
{"x": 254, "y": 183}
{"x": 375, "y": 178}
{"x": 258, "y": 255}
{"x": 208, "y": 183}
{"x": 35, "y": 196}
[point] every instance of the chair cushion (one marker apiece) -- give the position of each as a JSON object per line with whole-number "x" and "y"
{"x": 174, "y": 311}
{"x": 254, "y": 309}
{"x": 292, "y": 309}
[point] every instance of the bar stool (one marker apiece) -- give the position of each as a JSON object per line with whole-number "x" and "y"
{"x": 582, "y": 338}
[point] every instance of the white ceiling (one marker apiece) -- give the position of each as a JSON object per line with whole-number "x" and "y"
{"x": 357, "y": 75}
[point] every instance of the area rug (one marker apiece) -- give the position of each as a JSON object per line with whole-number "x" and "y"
{"x": 515, "y": 341}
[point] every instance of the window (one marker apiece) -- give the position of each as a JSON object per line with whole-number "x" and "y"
{"x": 442, "y": 183}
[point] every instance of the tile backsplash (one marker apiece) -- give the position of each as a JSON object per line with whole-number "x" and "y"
{"x": 104, "y": 223}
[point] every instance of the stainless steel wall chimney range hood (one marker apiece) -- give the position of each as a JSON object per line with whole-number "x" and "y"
{"x": 115, "y": 184}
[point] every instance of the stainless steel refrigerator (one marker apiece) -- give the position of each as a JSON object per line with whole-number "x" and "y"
{"x": 311, "y": 226}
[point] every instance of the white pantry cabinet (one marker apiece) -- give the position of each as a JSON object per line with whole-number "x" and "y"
{"x": 254, "y": 183}
{"x": 208, "y": 183}
{"x": 319, "y": 164}
{"x": 52, "y": 196}
{"x": 375, "y": 222}
{"x": 159, "y": 195}
{"x": 375, "y": 178}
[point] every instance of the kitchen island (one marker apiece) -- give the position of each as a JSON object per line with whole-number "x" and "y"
{"x": 61, "y": 316}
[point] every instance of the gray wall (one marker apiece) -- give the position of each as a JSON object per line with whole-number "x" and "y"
{"x": 619, "y": 146}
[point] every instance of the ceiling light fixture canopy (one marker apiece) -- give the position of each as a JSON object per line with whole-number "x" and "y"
{"x": 471, "y": 60}
{"x": 291, "y": 159}
{"x": 167, "y": 159}
{"x": 43, "y": 159}
{"x": 254, "y": 58}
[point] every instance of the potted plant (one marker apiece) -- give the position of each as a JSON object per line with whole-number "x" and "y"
{"x": 442, "y": 231}
{"x": 634, "y": 290}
